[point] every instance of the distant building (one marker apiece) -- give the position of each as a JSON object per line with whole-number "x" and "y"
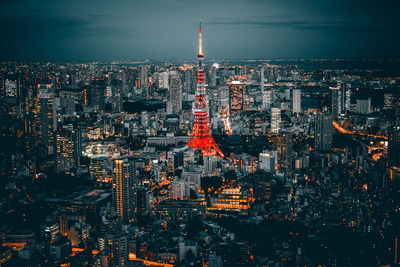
{"x": 267, "y": 161}
{"x": 118, "y": 249}
{"x": 323, "y": 132}
{"x": 235, "y": 97}
{"x": 124, "y": 189}
{"x": 175, "y": 92}
{"x": 68, "y": 148}
{"x": 180, "y": 210}
{"x": 394, "y": 147}
{"x": 296, "y": 101}
{"x": 266, "y": 99}
{"x": 95, "y": 94}
{"x": 275, "y": 120}
{"x": 285, "y": 153}
{"x": 47, "y": 116}
{"x": 363, "y": 106}
{"x": 335, "y": 107}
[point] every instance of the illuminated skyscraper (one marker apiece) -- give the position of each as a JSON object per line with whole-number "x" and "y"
{"x": 118, "y": 249}
{"x": 68, "y": 148}
{"x": 323, "y": 132}
{"x": 275, "y": 120}
{"x": 201, "y": 137}
{"x": 47, "y": 116}
{"x": 124, "y": 189}
{"x": 285, "y": 151}
{"x": 235, "y": 97}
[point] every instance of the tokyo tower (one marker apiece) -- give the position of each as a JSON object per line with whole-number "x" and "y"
{"x": 201, "y": 137}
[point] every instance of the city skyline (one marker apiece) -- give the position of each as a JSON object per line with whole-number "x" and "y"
{"x": 110, "y": 157}
{"x": 157, "y": 30}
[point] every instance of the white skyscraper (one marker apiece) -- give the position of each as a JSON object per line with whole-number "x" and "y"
{"x": 275, "y": 120}
{"x": 296, "y": 101}
{"x": 163, "y": 80}
{"x": 266, "y": 99}
{"x": 267, "y": 160}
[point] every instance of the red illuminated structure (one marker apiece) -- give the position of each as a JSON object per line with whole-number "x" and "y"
{"x": 201, "y": 137}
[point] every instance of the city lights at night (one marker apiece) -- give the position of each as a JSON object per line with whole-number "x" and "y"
{"x": 199, "y": 133}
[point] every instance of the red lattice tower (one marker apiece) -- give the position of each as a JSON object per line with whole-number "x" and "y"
{"x": 201, "y": 137}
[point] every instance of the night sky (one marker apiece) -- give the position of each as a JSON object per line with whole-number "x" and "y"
{"x": 166, "y": 29}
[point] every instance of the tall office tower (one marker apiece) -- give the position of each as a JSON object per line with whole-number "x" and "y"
{"x": 334, "y": 102}
{"x": 364, "y": 106}
{"x": 95, "y": 94}
{"x": 347, "y": 103}
{"x": 275, "y": 120}
{"x": 163, "y": 79}
{"x": 394, "y": 147}
{"x": 201, "y": 137}
{"x": 262, "y": 79}
{"x": 285, "y": 151}
{"x": 68, "y": 148}
{"x": 267, "y": 161}
{"x": 124, "y": 189}
{"x": 267, "y": 99}
{"x": 47, "y": 116}
{"x": 188, "y": 80}
{"x": 235, "y": 97}
{"x": 144, "y": 79}
{"x": 117, "y": 94}
{"x": 175, "y": 92}
{"x": 323, "y": 132}
{"x": 213, "y": 74}
{"x": 342, "y": 98}
{"x": 296, "y": 101}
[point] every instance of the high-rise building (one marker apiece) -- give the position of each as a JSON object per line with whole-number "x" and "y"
{"x": 344, "y": 97}
{"x": 95, "y": 94}
{"x": 235, "y": 97}
{"x": 144, "y": 76}
{"x": 163, "y": 79}
{"x": 275, "y": 120}
{"x": 285, "y": 151}
{"x": 262, "y": 79}
{"x": 118, "y": 249}
{"x": 394, "y": 147}
{"x": 323, "y": 132}
{"x": 175, "y": 92}
{"x": 335, "y": 108}
{"x": 124, "y": 189}
{"x": 47, "y": 116}
{"x": 296, "y": 101}
{"x": 364, "y": 106}
{"x": 267, "y": 161}
{"x": 68, "y": 148}
{"x": 266, "y": 99}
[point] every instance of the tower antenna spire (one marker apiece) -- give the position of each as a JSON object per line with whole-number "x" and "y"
{"x": 201, "y": 138}
{"x": 200, "y": 43}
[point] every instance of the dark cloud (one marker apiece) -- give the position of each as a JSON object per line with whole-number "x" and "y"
{"x": 332, "y": 25}
{"x": 122, "y": 29}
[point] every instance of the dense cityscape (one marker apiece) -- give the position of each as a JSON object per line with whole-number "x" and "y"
{"x": 200, "y": 162}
